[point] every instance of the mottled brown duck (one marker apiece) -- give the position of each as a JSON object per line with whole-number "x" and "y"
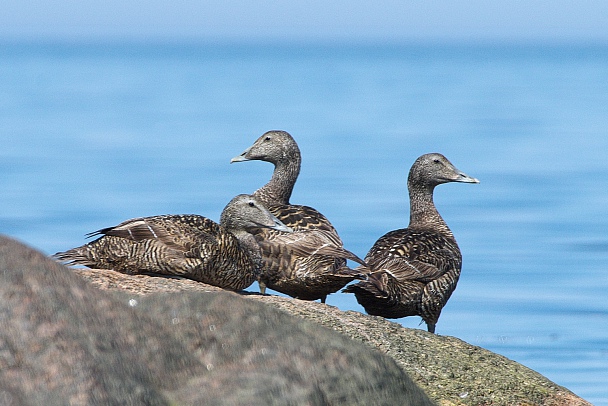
{"x": 309, "y": 263}
{"x": 191, "y": 246}
{"x": 413, "y": 271}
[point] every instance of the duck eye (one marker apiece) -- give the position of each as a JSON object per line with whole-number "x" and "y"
{"x": 267, "y": 138}
{"x": 436, "y": 160}
{"x": 251, "y": 204}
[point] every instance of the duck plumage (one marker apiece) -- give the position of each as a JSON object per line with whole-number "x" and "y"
{"x": 191, "y": 246}
{"x": 414, "y": 271}
{"x": 310, "y": 263}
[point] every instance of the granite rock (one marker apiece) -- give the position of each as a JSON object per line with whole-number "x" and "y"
{"x": 136, "y": 341}
{"x": 449, "y": 370}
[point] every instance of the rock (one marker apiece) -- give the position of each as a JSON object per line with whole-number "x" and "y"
{"x": 64, "y": 341}
{"x": 254, "y": 351}
{"x": 451, "y": 371}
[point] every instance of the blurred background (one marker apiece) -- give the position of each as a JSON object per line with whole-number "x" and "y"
{"x": 125, "y": 109}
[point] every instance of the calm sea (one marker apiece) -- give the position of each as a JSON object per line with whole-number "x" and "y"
{"x": 91, "y": 135}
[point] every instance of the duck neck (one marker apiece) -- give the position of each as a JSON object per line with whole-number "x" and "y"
{"x": 278, "y": 190}
{"x": 423, "y": 213}
{"x": 250, "y": 246}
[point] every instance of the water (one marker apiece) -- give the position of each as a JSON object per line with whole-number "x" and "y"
{"x": 93, "y": 135}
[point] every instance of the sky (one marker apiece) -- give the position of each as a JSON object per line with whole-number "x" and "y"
{"x": 314, "y": 20}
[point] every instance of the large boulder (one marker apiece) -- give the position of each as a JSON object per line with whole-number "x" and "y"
{"x": 451, "y": 371}
{"x": 65, "y": 341}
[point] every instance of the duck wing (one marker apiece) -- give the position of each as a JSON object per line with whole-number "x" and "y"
{"x": 301, "y": 218}
{"x": 308, "y": 243}
{"x": 184, "y": 233}
{"x": 413, "y": 255}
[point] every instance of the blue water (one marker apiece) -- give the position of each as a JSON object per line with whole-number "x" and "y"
{"x": 91, "y": 135}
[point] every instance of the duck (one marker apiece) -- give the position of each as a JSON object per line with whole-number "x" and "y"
{"x": 413, "y": 271}
{"x": 311, "y": 262}
{"x": 225, "y": 255}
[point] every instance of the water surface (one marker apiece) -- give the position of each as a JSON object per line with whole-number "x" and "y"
{"x": 93, "y": 135}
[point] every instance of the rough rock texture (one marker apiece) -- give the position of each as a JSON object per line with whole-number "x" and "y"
{"x": 64, "y": 341}
{"x": 450, "y": 371}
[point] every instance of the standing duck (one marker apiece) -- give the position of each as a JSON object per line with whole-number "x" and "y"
{"x": 309, "y": 263}
{"x": 224, "y": 255}
{"x": 413, "y": 271}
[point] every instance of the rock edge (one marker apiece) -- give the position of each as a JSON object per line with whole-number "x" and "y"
{"x": 449, "y": 370}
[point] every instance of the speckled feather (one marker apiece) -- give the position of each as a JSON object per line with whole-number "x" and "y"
{"x": 414, "y": 271}
{"x": 190, "y": 246}
{"x": 303, "y": 218}
{"x": 310, "y": 263}
{"x": 299, "y": 264}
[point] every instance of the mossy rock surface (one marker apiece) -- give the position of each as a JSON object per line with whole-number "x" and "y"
{"x": 451, "y": 371}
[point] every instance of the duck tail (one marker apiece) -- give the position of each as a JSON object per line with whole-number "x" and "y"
{"x": 375, "y": 283}
{"x": 75, "y": 256}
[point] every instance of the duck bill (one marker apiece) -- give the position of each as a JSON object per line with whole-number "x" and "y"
{"x": 274, "y": 224}
{"x": 464, "y": 178}
{"x": 242, "y": 157}
{"x": 279, "y": 226}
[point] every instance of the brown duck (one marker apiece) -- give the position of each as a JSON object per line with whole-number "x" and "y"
{"x": 413, "y": 271}
{"x": 309, "y": 263}
{"x": 191, "y": 246}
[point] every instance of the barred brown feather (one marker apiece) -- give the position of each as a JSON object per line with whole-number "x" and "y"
{"x": 190, "y": 246}
{"x": 414, "y": 271}
{"x": 310, "y": 263}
